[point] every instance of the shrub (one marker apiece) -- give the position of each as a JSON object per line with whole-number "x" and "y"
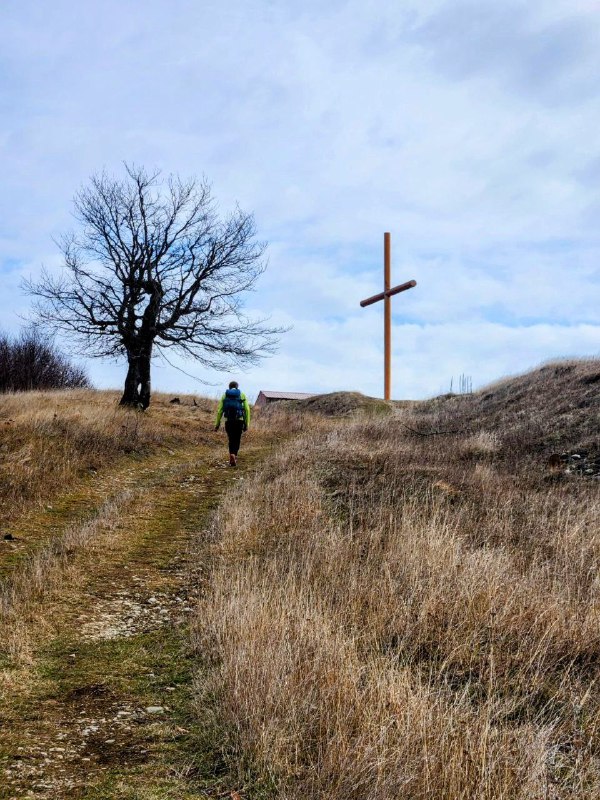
{"x": 30, "y": 362}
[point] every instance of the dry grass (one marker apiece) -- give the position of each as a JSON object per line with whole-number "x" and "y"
{"x": 394, "y": 616}
{"x": 64, "y": 445}
{"x": 45, "y": 572}
{"x": 50, "y": 439}
{"x": 551, "y": 409}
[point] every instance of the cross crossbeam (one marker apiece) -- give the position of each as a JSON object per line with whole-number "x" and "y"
{"x": 382, "y": 295}
{"x": 386, "y": 295}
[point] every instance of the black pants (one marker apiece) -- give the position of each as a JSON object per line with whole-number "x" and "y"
{"x": 234, "y": 428}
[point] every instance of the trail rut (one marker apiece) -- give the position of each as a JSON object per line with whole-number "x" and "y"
{"x": 103, "y": 709}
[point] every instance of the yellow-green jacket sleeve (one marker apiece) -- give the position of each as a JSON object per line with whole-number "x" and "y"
{"x": 246, "y": 410}
{"x": 220, "y": 411}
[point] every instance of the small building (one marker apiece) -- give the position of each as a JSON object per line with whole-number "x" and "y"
{"x": 264, "y": 398}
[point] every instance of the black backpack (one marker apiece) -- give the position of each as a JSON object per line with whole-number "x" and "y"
{"x": 233, "y": 405}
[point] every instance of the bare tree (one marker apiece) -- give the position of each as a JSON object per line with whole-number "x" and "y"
{"x": 153, "y": 268}
{"x": 31, "y": 361}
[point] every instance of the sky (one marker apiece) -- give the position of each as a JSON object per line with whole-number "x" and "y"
{"x": 468, "y": 130}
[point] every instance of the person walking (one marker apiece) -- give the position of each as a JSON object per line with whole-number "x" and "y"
{"x": 234, "y": 407}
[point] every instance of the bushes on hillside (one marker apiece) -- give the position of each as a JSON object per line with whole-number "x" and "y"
{"x": 30, "y": 361}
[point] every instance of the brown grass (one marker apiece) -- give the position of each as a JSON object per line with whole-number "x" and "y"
{"x": 48, "y": 440}
{"x": 45, "y": 572}
{"x": 79, "y": 451}
{"x": 553, "y": 408}
{"x": 395, "y": 616}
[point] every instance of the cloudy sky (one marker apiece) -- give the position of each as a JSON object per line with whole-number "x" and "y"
{"x": 469, "y": 130}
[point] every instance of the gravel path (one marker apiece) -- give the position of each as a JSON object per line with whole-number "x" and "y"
{"x": 104, "y": 708}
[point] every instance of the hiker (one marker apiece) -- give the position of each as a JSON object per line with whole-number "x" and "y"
{"x": 234, "y": 406}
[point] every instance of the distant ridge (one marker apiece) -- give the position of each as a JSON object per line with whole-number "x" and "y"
{"x": 553, "y": 408}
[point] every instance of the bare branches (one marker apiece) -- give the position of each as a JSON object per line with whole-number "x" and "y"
{"x": 153, "y": 266}
{"x": 31, "y": 361}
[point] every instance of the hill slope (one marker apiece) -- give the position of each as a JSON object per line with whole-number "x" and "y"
{"x": 401, "y": 615}
{"x": 51, "y": 441}
{"x": 377, "y": 612}
{"x": 551, "y": 409}
{"x": 101, "y": 505}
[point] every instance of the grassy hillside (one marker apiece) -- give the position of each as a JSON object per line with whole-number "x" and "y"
{"x": 391, "y": 600}
{"x": 550, "y": 410}
{"x": 96, "y": 595}
{"x": 337, "y": 404}
{"x": 49, "y": 441}
{"x": 392, "y": 614}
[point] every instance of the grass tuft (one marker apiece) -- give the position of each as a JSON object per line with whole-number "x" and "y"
{"x": 400, "y": 616}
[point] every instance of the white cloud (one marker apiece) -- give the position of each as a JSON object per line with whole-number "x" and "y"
{"x": 331, "y": 357}
{"x": 467, "y": 129}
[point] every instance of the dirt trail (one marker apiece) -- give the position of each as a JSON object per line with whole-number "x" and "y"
{"x": 104, "y": 708}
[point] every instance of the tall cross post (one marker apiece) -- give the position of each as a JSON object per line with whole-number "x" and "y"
{"x": 386, "y": 296}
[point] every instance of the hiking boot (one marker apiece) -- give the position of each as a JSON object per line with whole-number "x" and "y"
{"x": 232, "y": 460}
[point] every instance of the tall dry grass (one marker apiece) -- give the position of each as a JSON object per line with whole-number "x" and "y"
{"x": 50, "y": 439}
{"x": 553, "y": 408}
{"x": 394, "y": 616}
{"x": 45, "y": 572}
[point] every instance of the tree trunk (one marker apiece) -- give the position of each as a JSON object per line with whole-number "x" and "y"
{"x": 145, "y": 381}
{"x": 137, "y": 383}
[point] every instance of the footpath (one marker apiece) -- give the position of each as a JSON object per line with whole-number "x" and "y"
{"x": 102, "y": 707}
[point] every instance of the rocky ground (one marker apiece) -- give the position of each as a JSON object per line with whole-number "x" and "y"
{"x": 101, "y": 707}
{"x": 576, "y": 463}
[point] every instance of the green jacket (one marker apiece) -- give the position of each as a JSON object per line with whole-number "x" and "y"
{"x": 246, "y": 410}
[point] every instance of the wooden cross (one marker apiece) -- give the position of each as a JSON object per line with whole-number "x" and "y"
{"x": 386, "y": 296}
